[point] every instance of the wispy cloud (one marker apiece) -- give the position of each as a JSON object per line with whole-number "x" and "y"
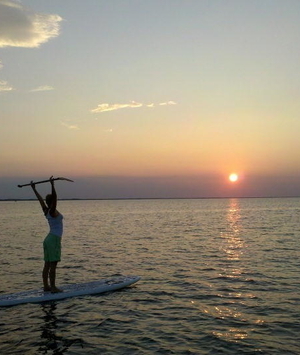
{"x": 69, "y": 125}
{"x": 4, "y": 86}
{"x": 167, "y": 103}
{"x": 133, "y": 104}
{"x": 113, "y": 107}
{"x": 42, "y": 88}
{"x": 23, "y": 27}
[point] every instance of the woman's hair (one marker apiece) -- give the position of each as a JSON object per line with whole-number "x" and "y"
{"x": 49, "y": 199}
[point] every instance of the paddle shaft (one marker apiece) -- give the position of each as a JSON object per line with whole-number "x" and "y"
{"x": 43, "y": 181}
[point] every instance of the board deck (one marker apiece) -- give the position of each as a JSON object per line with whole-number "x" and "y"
{"x": 72, "y": 290}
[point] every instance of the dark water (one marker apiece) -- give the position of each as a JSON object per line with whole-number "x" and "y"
{"x": 218, "y": 277}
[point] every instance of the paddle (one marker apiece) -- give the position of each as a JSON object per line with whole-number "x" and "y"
{"x": 43, "y": 181}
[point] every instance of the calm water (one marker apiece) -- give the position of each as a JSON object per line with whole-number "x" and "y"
{"x": 218, "y": 277}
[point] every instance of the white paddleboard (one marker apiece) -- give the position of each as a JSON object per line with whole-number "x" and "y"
{"x": 80, "y": 289}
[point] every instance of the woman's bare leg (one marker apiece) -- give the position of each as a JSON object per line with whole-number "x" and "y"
{"x": 46, "y": 276}
{"x": 52, "y": 277}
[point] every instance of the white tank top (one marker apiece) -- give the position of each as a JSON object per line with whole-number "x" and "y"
{"x": 55, "y": 224}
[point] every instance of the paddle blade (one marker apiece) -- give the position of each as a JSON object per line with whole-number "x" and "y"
{"x": 63, "y": 178}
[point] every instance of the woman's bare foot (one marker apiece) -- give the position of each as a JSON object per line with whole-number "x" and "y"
{"x": 47, "y": 288}
{"x": 55, "y": 290}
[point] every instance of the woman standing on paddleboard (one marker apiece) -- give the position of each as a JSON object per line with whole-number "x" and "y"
{"x": 52, "y": 242}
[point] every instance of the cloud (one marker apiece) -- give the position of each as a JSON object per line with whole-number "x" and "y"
{"x": 42, "y": 88}
{"x": 112, "y": 107}
{"x": 167, "y": 103}
{"x": 22, "y": 27}
{"x": 4, "y": 86}
{"x": 70, "y": 126}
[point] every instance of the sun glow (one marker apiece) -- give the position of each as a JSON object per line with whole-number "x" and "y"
{"x": 233, "y": 177}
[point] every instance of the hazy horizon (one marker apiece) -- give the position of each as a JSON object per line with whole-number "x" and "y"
{"x": 114, "y": 187}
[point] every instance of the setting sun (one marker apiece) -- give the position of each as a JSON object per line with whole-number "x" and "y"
{"x": 233, "y": 177}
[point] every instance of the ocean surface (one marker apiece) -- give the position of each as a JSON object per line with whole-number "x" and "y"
{"x": 219, "y": 276}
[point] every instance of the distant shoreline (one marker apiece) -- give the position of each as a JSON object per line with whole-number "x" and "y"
{"x": 149, "y": 198}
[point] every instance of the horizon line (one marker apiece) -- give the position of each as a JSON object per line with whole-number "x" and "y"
{"x": 148, "y": 198}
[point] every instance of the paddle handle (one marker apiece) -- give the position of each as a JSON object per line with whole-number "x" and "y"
{"x": 43, "y": 181}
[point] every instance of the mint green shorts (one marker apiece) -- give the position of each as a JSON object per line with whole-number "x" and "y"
{"x": 52, "y": 248}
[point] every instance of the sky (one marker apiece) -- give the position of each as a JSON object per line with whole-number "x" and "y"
{"x": 156, "y": 99}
